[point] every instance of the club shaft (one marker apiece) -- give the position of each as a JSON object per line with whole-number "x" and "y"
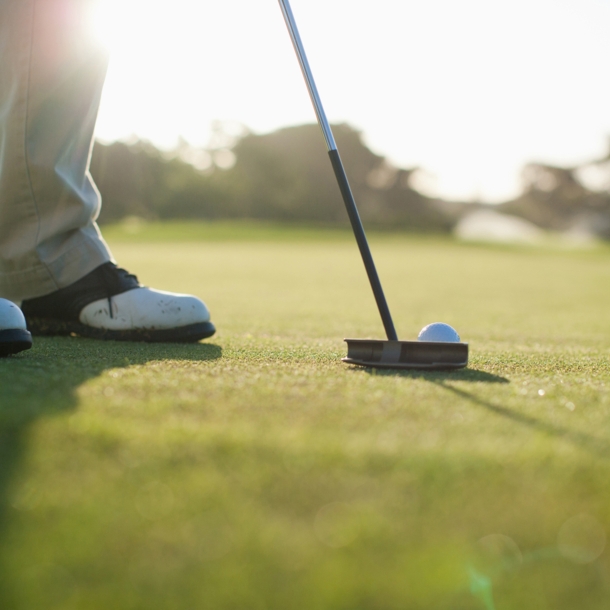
{"x": 363, "y": 245}
{"x": 311, "y": 84}
{"x": 346, "y": 191}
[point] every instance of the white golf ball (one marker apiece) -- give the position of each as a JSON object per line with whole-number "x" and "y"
{"x": 11, "y": 317}
{"x": 438, "y": 331}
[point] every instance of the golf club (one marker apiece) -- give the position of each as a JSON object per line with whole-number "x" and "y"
{"x": 372, "y": 353}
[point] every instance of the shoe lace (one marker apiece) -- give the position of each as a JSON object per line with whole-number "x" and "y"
{"x": 125, "y": 274}
{"x": 113, "y": 275}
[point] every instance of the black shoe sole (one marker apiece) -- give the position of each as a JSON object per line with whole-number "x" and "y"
{"x": 14, "y": 341}
{"x": 184, "y": 334}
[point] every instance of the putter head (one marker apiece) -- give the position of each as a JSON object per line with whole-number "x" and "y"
{"x": 426, "y": 355}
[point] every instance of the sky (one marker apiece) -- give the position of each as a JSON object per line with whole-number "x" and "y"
{"x": 468, "y": 90}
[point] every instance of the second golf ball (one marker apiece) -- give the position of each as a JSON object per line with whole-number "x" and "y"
{"x": 439, "y": 332}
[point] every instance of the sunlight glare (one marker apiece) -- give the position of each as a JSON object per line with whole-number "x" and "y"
{"x": 466, "y": 103}
{"x": 122, "y": 25}
{"x": 108, "y": 21}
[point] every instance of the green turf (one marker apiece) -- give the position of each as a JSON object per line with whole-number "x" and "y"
{"x": 256, "y": 471}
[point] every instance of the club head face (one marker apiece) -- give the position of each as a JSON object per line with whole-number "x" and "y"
{"x": 422, "y": 355}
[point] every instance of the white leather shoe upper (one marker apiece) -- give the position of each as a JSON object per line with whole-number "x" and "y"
{"x": 11, "y": 317}
{"x": 145, "y": 308}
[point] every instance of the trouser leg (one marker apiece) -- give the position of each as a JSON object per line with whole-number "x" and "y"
{"x": 51, "y": 79}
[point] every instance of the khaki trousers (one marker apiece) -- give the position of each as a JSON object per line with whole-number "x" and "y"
{"x": 51, "y": 79}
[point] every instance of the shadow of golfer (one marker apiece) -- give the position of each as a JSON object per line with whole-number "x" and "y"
{"x": 43, "y": 383}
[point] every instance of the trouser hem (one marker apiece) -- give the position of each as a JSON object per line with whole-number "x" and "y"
{"x": 43, "y": 279}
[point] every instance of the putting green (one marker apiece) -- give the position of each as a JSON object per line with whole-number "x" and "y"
{"x": 257, "y": 471}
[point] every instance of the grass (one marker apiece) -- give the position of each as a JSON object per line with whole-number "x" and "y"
{"x": 257, "y": 471}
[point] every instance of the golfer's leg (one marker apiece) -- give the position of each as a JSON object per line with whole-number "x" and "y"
{"x": 51, "y": 78}
{"x": 52, "y": 257}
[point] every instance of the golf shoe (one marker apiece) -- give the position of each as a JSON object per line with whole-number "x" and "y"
{"x": 110, "y": 303}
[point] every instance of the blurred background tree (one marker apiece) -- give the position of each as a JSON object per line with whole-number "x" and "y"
{"x": 566, "y": 199}
{"x": 286, "y": 176}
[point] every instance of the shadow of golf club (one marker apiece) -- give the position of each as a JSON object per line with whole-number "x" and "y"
{"x": 472, "y": 375}
{"x": 595, "y": 445}
{"x": 44, "y": 382}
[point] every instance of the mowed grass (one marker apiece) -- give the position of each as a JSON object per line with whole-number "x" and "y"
{"x": 257, "y": 471}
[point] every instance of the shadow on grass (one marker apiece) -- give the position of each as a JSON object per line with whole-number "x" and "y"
{"x": 597, "y": 446}
{"x": 44, "y": 381}
{"x": 472, "y": 375}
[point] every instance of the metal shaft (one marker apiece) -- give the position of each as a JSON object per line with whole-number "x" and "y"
{"x": 346, "y": 191}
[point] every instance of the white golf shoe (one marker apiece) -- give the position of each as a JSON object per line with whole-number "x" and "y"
{"x": 110, "y": 303}
{"x": 14, "y": 336}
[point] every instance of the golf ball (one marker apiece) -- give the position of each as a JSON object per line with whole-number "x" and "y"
{"x": 10, "y": 316}
{"x": 438, "y": 331}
